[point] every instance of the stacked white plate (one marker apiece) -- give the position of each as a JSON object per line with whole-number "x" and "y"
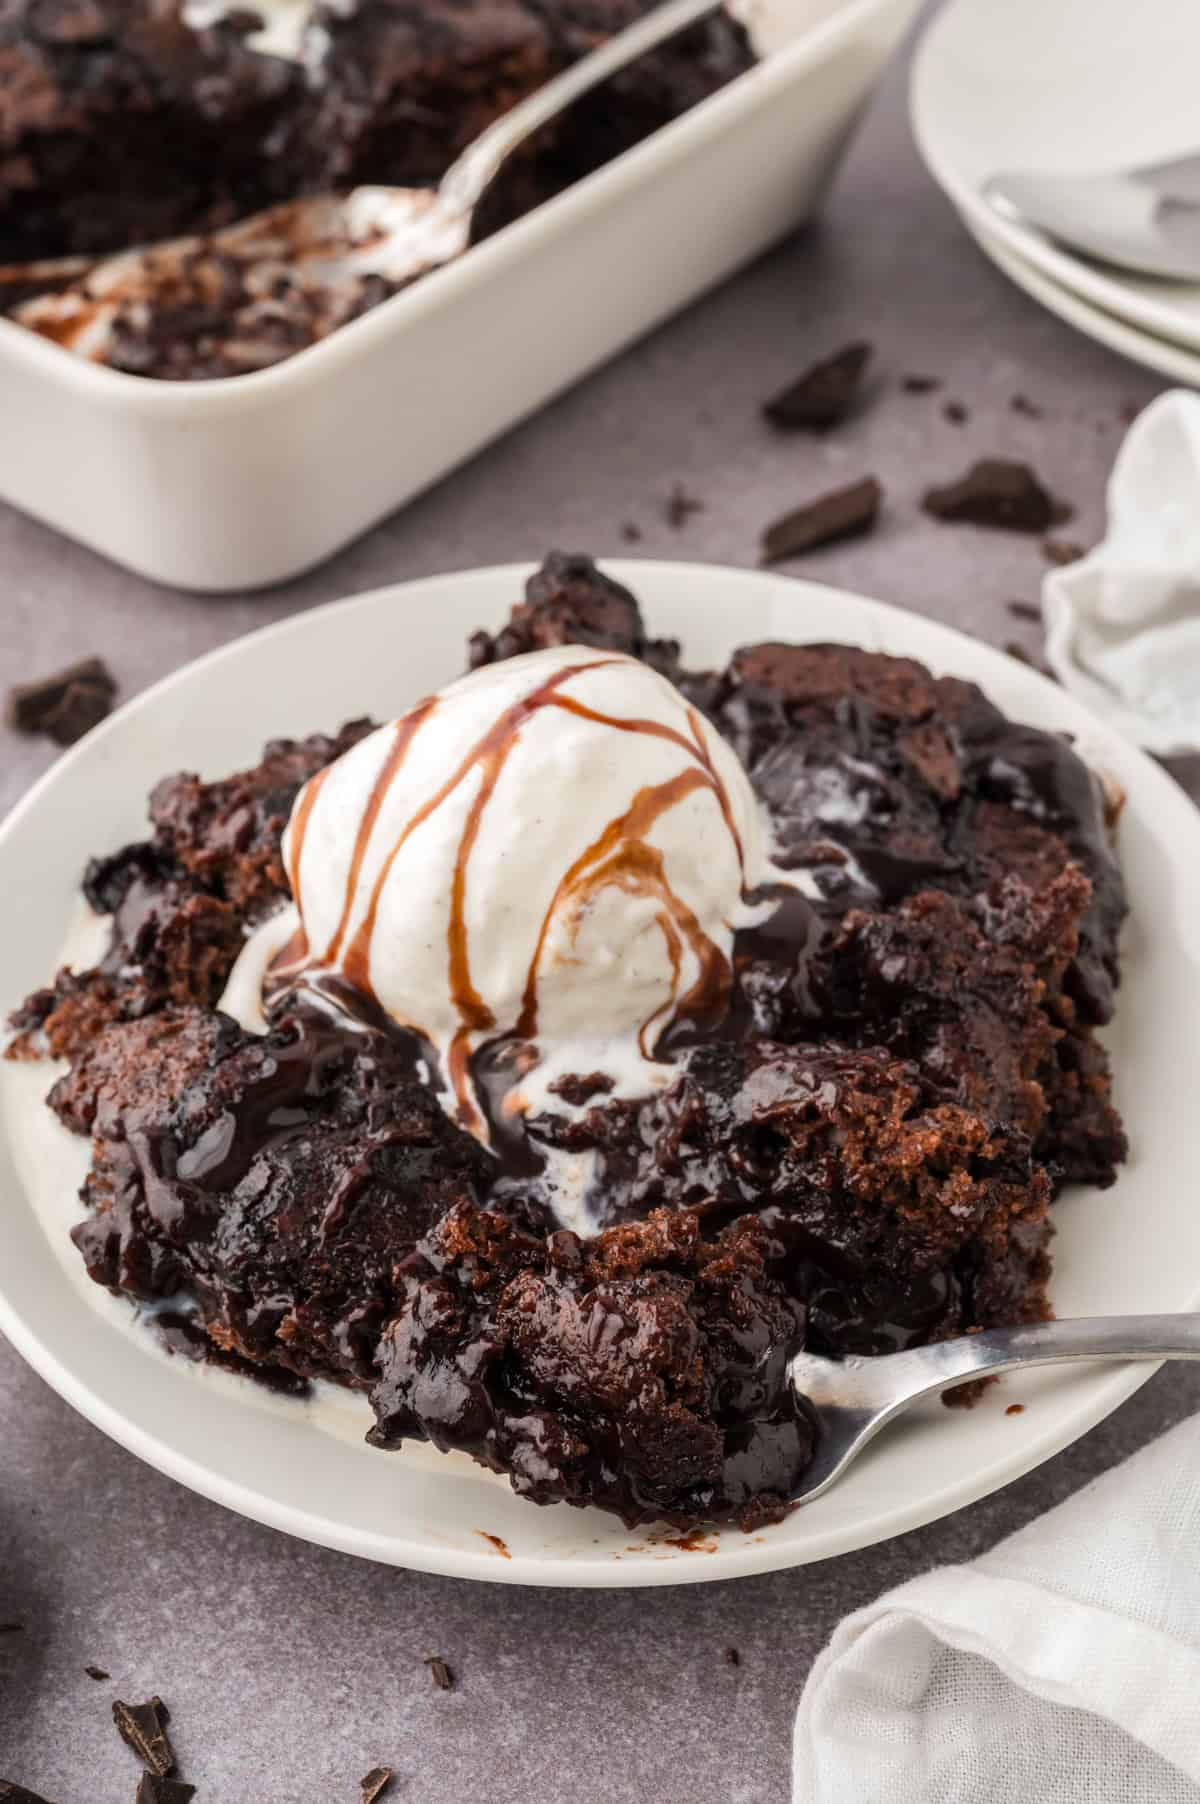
{"x": 1066, "y": 85}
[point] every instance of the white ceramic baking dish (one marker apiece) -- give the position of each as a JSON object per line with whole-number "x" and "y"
{"x": 239, "y": 483}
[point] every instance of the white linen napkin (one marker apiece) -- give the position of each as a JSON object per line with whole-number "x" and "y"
{"x": 1063, "y": 1667}
{"x": 1123, "y": 624}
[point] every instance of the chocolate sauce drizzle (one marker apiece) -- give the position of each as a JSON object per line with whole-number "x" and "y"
{"x": 621, "y": 856}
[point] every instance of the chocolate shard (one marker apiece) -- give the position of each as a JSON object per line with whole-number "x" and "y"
{"x": 823, "y": 395}
{"x": 995, "y": 492}
{"x": 97, "y": 1672}
{"x": 154, "y": 1788}
{"x": 1024, "y": 610}
{"x": 680, "y": 506}
{"x": 66, "y": 705}
{"x": 1022, "y": 404}
{"x": 956, "y": 413}
{"x": 442, "y": 1676}
{"x": 12, "y": 1628}
{"x": 732, "y": 1657}
{"x": 142, "y": 1727}
{"x": 11, "y": 1793}
{"x": 1061, "y": 551}
{"x": 841, "y": 514}
{"x": 375, "y": 1783}
{"x": 920, "y": 385}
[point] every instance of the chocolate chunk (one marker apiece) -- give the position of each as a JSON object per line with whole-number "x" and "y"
{"x": 732, "y": 1657}
{"x": 375, "y": 1783}
{"x": 920, "y": 385}
{"x": 576, "y": 1090}
{"x": 841, "y": 514}
{"x": 19, "y": 1794}
{"x": 994, "y": 492}
{"x": 1022, "y": 404}
{"x": 956, "y": 413}
{"x": 142, "y": 1728}
{"x": 443, "y": 1678}
{"x": 153, "y": 1788}
{"x": 823, "y": 395}
{"x": 97, "y": 1672}
{"x": 681, "y": 506}
{"x": 1061, "y": 551}
{"x": 64, "y": 706}
{"x": 1024, "y": 610}
{"x": 631, "y": 532}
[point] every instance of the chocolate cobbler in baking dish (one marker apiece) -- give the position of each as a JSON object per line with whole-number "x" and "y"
{"x": 554, "y": 1060}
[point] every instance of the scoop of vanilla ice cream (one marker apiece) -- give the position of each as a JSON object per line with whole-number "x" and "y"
{"x": 556, "y": 849}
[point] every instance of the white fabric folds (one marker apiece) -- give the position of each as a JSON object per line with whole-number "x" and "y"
{"x": 1062, "y": 1666}
{"x": 1123, "y": 624}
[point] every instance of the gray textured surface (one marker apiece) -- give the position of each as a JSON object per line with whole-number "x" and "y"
{"x": 290, "y": 1670}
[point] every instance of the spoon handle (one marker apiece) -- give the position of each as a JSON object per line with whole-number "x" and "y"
{"x": 464, "y": 182}
{"x": 893, "y": 1382}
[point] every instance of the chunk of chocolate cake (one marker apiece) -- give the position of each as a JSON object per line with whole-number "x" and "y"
{"x": 120, "y": 124}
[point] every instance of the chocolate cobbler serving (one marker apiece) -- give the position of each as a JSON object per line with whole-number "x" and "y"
{"x": 171, "y": 124}
{"x": 552, "y": 1062}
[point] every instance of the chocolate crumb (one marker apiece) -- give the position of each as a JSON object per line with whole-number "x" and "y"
{"x": 153, "y": 1788}
{"x": 920, "y": 385}
{"x": 956, "y": 413}
{"x": 97, "y": 1672}
{"x": 732, "y": 1657}
{"x": 1129, "y": 411}
{"x": 841, "y": 514}
{"x": 375, "y": 1783}
{"x": 1015, "y": 1409}
{"x": 1060, "y": 512}
{"x": 1022, "y": 404}
{"x": 1016, "y": 650}
{"x": 1024, "y": 610}
{"x": 994, "y": 492}
{"x": 141, "y": 1727}
{"x": 681, "y": 506}
{"x": 823, "y": 395}
{"x": 12, "y": 1628}
{"x": 577, "y": 1089}
{"x": 66, "y": 705}
{"x": 1061, "y": 551}
{"x": 11, "y": 1793}
{"x": 631, "y": 532}
{"x": 443, "y": 1678}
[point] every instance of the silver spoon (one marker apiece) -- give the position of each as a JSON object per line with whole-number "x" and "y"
{"x": 302, "y": 266}
{"x": 1145, "y": 219}
{"x": 852, "y": 1399}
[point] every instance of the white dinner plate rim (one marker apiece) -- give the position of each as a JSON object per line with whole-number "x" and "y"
{"x": 740, "y": 1556}
{"x": 1157, "y": 354}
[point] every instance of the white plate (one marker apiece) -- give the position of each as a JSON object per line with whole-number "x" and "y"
{"x": 1062, "y": 85}
{"x": 302, "y": 1467}
{"x": 1154, "y": 353}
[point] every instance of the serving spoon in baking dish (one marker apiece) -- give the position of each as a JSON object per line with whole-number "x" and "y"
{"x": 265, "y": 287}
{"x": 850, "y": 1400}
